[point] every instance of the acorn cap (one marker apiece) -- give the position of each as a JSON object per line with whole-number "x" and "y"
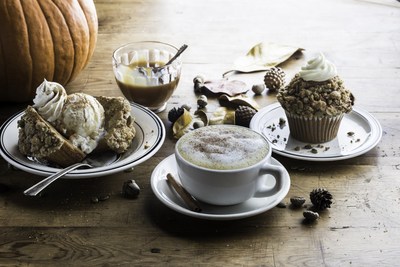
{"x": 310, "y": 216}
{"x": 297, "y": 202}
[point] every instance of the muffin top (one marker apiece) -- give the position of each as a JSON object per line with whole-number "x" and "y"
{"x": 316, "y": 91}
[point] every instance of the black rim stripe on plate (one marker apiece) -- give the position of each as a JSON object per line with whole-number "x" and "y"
{"x": 148, "y": 151}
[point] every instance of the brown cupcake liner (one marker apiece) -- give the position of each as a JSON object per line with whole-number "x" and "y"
{"x": 315, "y": 129}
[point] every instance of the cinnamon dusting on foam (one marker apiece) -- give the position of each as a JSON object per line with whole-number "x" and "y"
{"x": 223, "y": 147}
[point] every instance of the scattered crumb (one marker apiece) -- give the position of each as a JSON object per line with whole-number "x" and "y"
{"x": 281, "y": 205}
{"x": 282, "y": 122}
{"x": 308, "y": 146}
{"x": 146, "y": 145}
{"x": 155, "y": 250}
{"x": 94, "y": 200}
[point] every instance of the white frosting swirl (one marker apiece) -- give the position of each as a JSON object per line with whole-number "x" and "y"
{"x": 49, "y": 100}
{"x": 318, "y": 69}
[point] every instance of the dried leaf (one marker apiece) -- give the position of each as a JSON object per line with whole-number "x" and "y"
{"x": 240, "y": 100}
{"x": 223, "y": 115}
{"x": 264, "y": 56}
{"x": 182, "y": 124}
{"x": 224, "y": 86}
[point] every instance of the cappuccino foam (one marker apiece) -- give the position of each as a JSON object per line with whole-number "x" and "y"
{"x": 223, "y": 147}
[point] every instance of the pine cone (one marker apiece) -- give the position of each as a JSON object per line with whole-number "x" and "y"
{"x": 274, "y": 78}
{"x": 321, "y": 198}
{"x": 243, "y": 115}
{"x": 174, "y": 114}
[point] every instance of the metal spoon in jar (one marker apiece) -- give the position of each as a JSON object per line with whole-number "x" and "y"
{"x": 91, "y": 161}
{"x": 143, "y": 70}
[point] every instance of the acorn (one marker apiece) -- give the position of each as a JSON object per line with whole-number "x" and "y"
{"x": 297, "y": 202}
{"x": 198, "y": 124}
{"x": 186, "y": 106}
{"x": 175, "y": 113}
{"x": 310, "y": 216}
{"x": 198, "y": 79}
{"x": 202, "y": 101}
{"x": 258, "y": 88}
{"x": 130, "y": 189}
{"x": 321, "y": 198}
{"x": 274, "y": 78}
{"x": 243, "y": 115}
{"x": 198, "y": 83}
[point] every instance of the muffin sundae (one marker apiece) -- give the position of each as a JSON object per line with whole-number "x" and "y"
{"x": 63, "y": 129}
{"x": 315, "y": 102}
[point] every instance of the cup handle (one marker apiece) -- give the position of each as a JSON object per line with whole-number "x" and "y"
{"x": 262, "y": 189}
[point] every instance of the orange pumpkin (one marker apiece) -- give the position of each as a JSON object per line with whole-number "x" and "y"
{"x": 43, "y": 39}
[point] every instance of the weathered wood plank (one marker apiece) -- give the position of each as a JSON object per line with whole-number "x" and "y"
{"x": 64, "y": 227}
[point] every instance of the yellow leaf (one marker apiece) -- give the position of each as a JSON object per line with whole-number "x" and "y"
{"x": 223, "y": 115}
{"x": 182, "y": 124}
{"x": 264, "y": 56}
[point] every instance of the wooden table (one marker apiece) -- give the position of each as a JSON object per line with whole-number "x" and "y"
{"x": 362, "y": 37}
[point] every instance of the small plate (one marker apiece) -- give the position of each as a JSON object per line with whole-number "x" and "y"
{"x": 150, "y": 135}
{"x": 359, "y": 132}
{"x": 251, "y": 207}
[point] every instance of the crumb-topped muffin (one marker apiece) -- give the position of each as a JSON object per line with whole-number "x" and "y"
{"x": 119, "y": 123}
{"x": 38, "y": 138}
{"x": 315, "y": 102}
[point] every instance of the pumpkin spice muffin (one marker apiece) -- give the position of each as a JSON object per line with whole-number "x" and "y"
{"x": 315, "y": 102}
{"x": 119, "y": 123}
{"x": 38, "y": 138}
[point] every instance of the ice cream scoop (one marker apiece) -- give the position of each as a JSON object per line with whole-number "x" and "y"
{"x": 79, "y": 117}
{"x": 82, "y": 121}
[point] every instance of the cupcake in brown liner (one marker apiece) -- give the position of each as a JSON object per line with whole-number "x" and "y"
{"x": 315, "y": 102}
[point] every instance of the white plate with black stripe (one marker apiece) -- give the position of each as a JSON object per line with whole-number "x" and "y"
{"x": 150, "y": 136}
{"x": 358, "y": 133}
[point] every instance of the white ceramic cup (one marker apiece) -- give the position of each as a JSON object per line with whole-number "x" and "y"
{"x": 223, "y": 176}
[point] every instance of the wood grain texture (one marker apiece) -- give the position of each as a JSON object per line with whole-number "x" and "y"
{"x": 64, "y": 227}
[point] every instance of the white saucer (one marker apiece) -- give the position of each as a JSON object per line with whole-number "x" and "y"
{"x": 251, "y": 207}
{"x": 150, "y": 135}
{"x": 366, "y": 128}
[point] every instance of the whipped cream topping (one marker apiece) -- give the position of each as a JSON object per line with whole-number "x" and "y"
{"x": 49, "y": 100}
{"x": 318, "y": 69}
